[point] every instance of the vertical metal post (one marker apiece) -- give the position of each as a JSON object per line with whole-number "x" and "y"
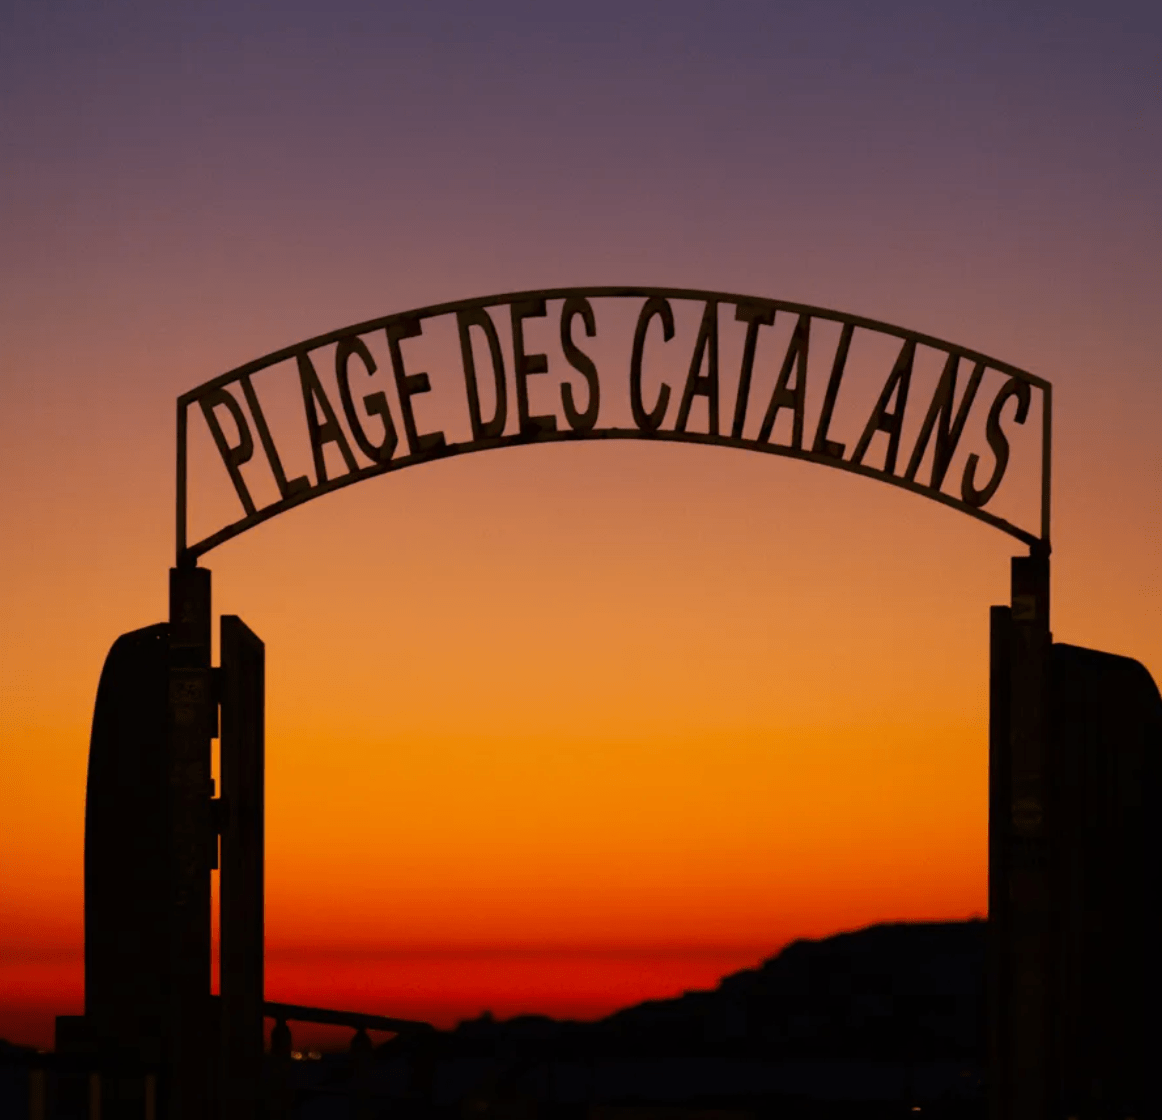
{"x": 362, "y": 1054}
{"x": 192, "y": 725}
{"x": 242, "y": 763}
{"x": 37, "y": 1096}
{"x": 94, "y": 1096}
{"x": 281, "y": 1089}
{"x": 1000, "y": 687}
{"x": 1021, "y": 958}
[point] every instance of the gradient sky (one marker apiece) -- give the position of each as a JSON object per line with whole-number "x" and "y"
{"x": 560, "y": 728}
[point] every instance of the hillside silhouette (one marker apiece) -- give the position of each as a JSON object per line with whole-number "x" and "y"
{"x": 891, "y": 1015}
{"x": 877, "y": 1022}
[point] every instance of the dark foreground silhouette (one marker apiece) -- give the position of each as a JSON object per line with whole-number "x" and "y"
{"x": 879, "y": 1022}
{"x": 883, "y": 1021}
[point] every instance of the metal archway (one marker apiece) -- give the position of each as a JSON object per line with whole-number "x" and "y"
{"x": 368, "y": 437}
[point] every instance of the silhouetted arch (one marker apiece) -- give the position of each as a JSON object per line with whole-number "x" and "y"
{"x": 942, "y": 427}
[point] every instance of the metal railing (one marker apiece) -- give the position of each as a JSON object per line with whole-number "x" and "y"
{"x": 79, "y": 1086}
{"x": 282, "y": 1095}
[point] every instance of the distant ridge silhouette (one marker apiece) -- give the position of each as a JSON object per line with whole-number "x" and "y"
{"x": 892, "y": 1014}
{"x": 897, "y": 991}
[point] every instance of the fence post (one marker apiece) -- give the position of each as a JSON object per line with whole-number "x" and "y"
{"x": 280, "y": 1063}
{"x": 361, "y": 1053}
{"x": 36, "y": 1094}
{"x": 94, "y": 1095}
{"x": 193, "y": 718}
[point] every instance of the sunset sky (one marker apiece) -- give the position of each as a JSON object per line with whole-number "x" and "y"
{"x": 561, "y": 728}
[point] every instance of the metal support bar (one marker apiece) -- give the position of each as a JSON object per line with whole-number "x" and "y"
{"x": 1022, "y": 981}
{"x": 192, "y": 724}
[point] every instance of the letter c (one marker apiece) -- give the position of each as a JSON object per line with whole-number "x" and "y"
{"x": 649, "y": 421}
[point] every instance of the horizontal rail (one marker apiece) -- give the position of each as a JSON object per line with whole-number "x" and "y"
{"x": 548, "y": 294}
{"x": 359, "y": 1020}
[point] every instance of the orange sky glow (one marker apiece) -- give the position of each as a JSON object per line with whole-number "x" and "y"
{"x": 560, "y": 728}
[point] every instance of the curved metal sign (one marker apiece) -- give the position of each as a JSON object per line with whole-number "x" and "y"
{"x": 666, "y": 364}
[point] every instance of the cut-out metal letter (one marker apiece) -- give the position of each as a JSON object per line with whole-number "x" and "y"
{"x": 998, "y": 441}
{"x": 755, "y": 315}
{"x": 823, "y": 445}
{"x": 326, "y": 431}
{"x": 580, "y": 361}
{"x": 697, "y": 383}
{"x": 409, "y": 385}
{"x": 375, "y": 403}
{"x": 287, "y": 488}
{"x": 885, "y": 419}
{"x": 527, "y": 365}
{"x": 948, "y": 429}
{"x": 784, "y": 397}
{"x": 241, "y": 452}
{"x": 649, "y": 421}
{"x": 494, "y": 426}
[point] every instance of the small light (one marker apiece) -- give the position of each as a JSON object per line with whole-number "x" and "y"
{"x": 297, "y": 1055}
{"x": 915, "y": 1108}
